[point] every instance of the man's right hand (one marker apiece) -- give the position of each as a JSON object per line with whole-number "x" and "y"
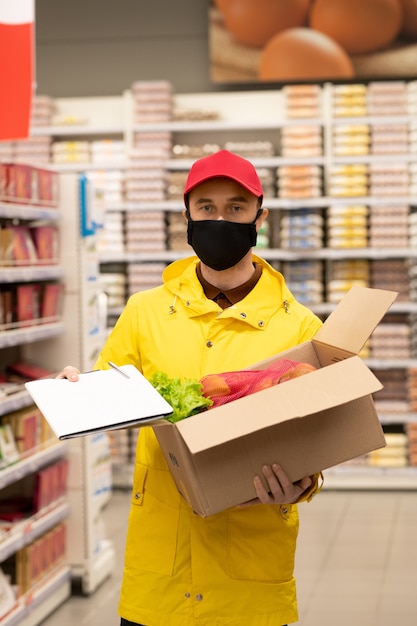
{"x": 69, "y": 372}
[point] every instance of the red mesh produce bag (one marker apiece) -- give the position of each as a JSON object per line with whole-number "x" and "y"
{"x": 228, "y": 386}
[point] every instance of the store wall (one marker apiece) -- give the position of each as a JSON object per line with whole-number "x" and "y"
{"x": 99, "y": 47}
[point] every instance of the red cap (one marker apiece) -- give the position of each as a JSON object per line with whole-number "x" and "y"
{"x": 224, "y": 164}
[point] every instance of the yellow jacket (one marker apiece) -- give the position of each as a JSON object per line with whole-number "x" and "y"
{"x": 235, "y": 567}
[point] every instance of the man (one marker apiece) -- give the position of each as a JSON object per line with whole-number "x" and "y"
{"x": 220, "y": 310}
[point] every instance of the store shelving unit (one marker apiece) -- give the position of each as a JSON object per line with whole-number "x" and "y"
{"x": 53, "y": 589}
{"x": 254, "y": 116}
{"x": 89, "y": 483}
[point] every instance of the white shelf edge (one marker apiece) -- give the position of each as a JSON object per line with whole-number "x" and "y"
{"x": 30, "y": 272}
{"x": 370, "y": 478}
{"x": 32, "y": 463}
{"x": 30, "y": 334}
{"x": 28, "y": 212}
{"x": 31, "y": 528}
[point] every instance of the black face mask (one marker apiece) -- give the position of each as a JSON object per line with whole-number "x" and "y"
{"x": 220, "y": 244}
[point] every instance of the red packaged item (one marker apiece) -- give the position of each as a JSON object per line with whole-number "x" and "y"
{"x": 51, "y": 300}
{"x": 46, "y": 243}
{"x": 27, "y": 306}
{"x": 228, "y": 386}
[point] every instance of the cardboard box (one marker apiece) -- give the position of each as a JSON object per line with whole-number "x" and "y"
{"x": 307, "y": 424}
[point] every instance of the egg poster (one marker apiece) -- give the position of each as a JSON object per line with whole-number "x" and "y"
{"x": 282, "y": 41}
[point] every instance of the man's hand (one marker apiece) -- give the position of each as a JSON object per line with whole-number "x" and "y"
{"x": 280, "y": 489}
{"x": 69, "y": 372}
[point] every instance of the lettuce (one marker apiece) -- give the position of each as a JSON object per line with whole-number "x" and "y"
{"x": 185, "y": 396}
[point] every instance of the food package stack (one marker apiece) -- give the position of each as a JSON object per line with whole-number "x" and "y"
{"x": 389, "y": 139}
{"x": 394, "y": 397}
{"x": 6, "y": 151}
{"x": 392, "y": 275}
{"x": 349, "y": 100}
{"x": 146, "y": 174}
{"x": 114, "y": 285}
{"x": 43, "y": 111}
{"x": 391, "y": 341}
{"x": 412, "y": 230}
{"x": 302, "y": 101}
{"x": 387, "y": 98}
{"x": 111, "y": 185}
{"x": 411, "y": 429}
{"x": 388, "y": 179}
{"x": 71, "y": 152}
{"x": 301, "y": 141}
{"x": 412, "y": 272}
{"x": 268, "y": 182}
{"x": 302, "y": 229}
{"x": 345, "y": 274}
{"x": 141, "y": 276}
{"x": 193, "y": 151}
{"x": 145, "y": 178}
{"x": 347, "y": 226}
{"x": 388, "y": 226}
{"x": 251, "y": 149}
{"x": 394, "y": 454}
{"x": 412, "y": 179}
{"x": 152, "y": 101}
{"x": 351, "y": 139}
{"x": 305, "y": 280}
{"x": 175, "y": 185}
{"x": 177, "y": 232}
{"x": 348, "y": 181}
{"x": 412, "y": 97}
{"x": 108, "y": 151}
{"x": 187, "y": 114}
{"x": 145, "y": 231}
{"x": 110, "y": 238}
{"x": 299, "y": 181}
{"x": 34, "y": 150}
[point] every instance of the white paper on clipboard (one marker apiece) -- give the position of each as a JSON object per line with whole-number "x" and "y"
{"x": 99, "y": 400}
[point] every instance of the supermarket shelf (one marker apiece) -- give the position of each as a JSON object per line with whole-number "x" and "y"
{"x": 32, "y": 463}
{"x": 38, "y": 603}
{"x": 25, "y": 212}
{"x": 277, "y": 254}
{"x": 15, "y": 401}
{"x": 88, "y": 167}
{"x": 30, "y": 334}
{"x": 71, "y": 130}
{"x": 396, "y": 418}
{"x": 28, "y": 530}
{"x": 30, "y": 273}
{"x": 380, "y": 478}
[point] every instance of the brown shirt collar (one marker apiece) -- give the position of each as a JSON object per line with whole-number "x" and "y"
{"x": 229, "y": 296}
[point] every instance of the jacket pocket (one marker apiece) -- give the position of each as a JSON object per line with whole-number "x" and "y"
{"x": 261, "y": 543}
{"x": 151, "y": 542}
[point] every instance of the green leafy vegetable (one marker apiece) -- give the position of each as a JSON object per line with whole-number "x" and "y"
{"x": 185, "y": 396}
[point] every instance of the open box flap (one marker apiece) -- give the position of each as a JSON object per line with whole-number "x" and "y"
{"x": 354, "y": 319}
{"x": 314, "y": 392}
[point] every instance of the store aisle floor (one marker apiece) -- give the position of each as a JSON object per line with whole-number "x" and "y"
{"x": 356, "y": 563}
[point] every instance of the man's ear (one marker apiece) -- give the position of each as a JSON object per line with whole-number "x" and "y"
{"x": 185, "y": 214}
{"x": 262, "y": 218}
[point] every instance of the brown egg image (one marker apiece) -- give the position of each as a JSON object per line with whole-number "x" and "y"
{"x": 359, "y": 26}
{"x": 303, "y": 54}
{"x": 409, "y": 20}
{"x": 253, "y": 22}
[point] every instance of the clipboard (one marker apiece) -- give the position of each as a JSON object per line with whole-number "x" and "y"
{"x": 100, "y": 400}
